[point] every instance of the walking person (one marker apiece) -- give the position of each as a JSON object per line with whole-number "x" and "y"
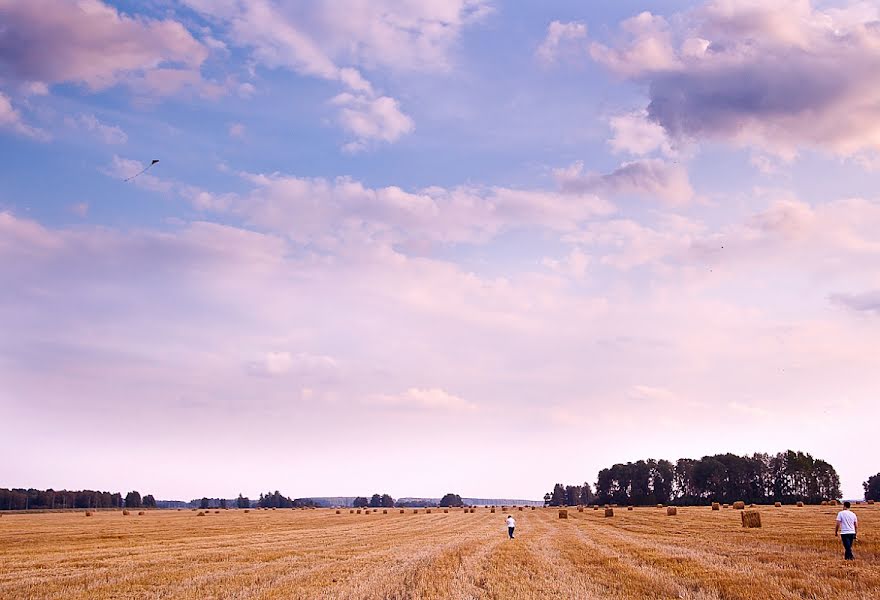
{"x": 511, "y": 525}
{"x": 847, "y": 526}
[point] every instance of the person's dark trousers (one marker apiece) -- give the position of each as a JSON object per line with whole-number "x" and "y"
{"x": 510, "y": 532}
{"x": 847, "y": 539}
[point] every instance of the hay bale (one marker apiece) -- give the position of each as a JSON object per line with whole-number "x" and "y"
{"x": 671, "y": 511}
{"x": 247, "y": 510}
{"x": 629, "y": 508}
{"x": 751, "y": 519}
{"x": 563, "y": 514}
{"x": 739, "y": 505}
{"x": 595, "y": 508}
{"x": 473, "y": 510}
{"x": 659, "y": 506}
{"x": 777, "y": 504}
{"x": 125, "y": 513}
{"x": 520, "y": 508}
{"x": 724, "y": 506}
{"x": 416, "y": 511}
{"x": 580, "y": 509}
{"x": 834, "y": 503}
{"x": 338, "y": 512}
{"x": 492, "y": 510}
{"x": 141, "y": 513}
{"x": 402, "y": 511}
{"x": 716, "y": 506}
{"x": 800, "y": 504}
{"x": 428, "y": 511}
{"x": 446, "y": 510}
{"x": 870, "y": 502}
{"x": 533, "y": 508}
{"x": 609, "y": 512}
{"x": 823, "y": 503}
{"x": 216, "y": 512}
{"x": 201, "y": 514}
{"x": 358, "y": 511}
{"x": 88, "y": 513}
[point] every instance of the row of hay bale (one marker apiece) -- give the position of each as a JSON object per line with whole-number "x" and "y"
{"x": 750, "y": 518}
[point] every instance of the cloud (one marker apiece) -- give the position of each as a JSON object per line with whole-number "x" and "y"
{"x": 867, "y": 302}
{"x": 371, "y": 119}
{"x": 779, "y": 75}
{"x": 433, "y": 399}
{"x": 11, "y": 119}
{"x": 90, "y": 43}
{"x": 635, "y": 134}
{"x": 303, "y": 365}
{"x": 236, "y": 130}
{"x": 321, "y": 211}
{"x": 558, "y": 36}
{"x": 649, "y": 178}
{"x": 108, "y": 134}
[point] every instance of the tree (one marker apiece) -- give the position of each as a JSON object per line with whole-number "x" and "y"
{"x": 148, "y": 501}
{"x": 387, "y": 501}
{"x": 223, "y": 503}
{"x": 557, "y": 498}
{"x": 204, "y": 503}
{"x": 132, "y": 500}
{"x": 451, "y": 500}
{"x": 242, "y": 502}
{"x": 376, "y": 501}
{"x": 872, "y": 488}
{"x": 360, "y": 502}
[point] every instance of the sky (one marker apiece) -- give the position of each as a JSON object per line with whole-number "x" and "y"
{"x": 420, "y": 247}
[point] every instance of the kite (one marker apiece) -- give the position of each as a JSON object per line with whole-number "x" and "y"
{"x": 142, "y": 171}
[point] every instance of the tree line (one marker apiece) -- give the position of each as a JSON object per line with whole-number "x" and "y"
{"x": 386, "y": 501}
{"x": 26, "y": 499}
{"x": 760, "y": 478}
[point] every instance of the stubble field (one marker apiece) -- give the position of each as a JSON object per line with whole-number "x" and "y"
{"x": 313, "y": 554}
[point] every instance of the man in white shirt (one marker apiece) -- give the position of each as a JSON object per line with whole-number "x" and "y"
{"x": 511, "y": 524}
{"x": 847, "y": 526}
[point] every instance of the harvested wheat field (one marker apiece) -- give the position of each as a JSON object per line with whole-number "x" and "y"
{"x": 643, "y": 553}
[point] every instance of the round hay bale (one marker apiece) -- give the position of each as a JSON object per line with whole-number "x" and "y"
{"x": 716, "y": 506}
{"x": 580, "y": 509}
{"x": 416, "y": 511}
{"x": 563, "y": 514}
{"x": 351, "y": 511}
{"x": 629, "y": 508}
{"x": 870, "y": 502}
{"x": 520, "y": 508}
{"x": 216, "y": 512}
{"x": 338, "y": 512}
{"x": 739, "y": 505}
{"x": 384, "y": 511}
{"x": 402, "y": 511}
{"x": 88, "y": 513}
{"x": 492, "y": 510}
{"x": 659, "y": 506}
{"x": 533, "y": 508}
{"x": 358, "y": 511}
{"x": 724, "y": 506}
{"x": 823, "y": 503}
{"x": 140, "y": 513}
{"x": 247, "y": 510}
{"x": 751, "y": 519}
{"x": 446, "y": 510}
{"x": 671, "y": 511}
{"x": 125, "y": 513}
{"x": 777, "y": 504}
{"x": 800, "y": 504}
{"x": 474, "y": 509}
{"x": 201, "y": 514}
{"x": 609, "y": 512}
{"x": 428, "y": 511}
{"x": 595, "y": 508}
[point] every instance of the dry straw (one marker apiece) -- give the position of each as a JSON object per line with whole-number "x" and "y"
{"x": 609, "y": 512}
{"x": 671, "y": 511}
{"x": 716, "y": 506}
{"x": 739, "y": 505}
{"x": 563, "y": 514}
{"x": 751, "y": 519}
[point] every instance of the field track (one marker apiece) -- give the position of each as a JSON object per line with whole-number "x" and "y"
{"x": 315, "y": 554}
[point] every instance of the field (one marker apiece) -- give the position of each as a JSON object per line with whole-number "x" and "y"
{"x": 312, "y": 554}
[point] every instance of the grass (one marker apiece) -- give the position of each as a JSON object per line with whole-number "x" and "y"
{"x": 700, "y": 555}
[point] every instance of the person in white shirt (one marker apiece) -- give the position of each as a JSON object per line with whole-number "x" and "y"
{"x": 511, "y": 525}
{"x": 847, "y": 526}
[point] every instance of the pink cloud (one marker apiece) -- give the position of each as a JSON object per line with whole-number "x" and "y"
{"x": 91, "y": 43}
